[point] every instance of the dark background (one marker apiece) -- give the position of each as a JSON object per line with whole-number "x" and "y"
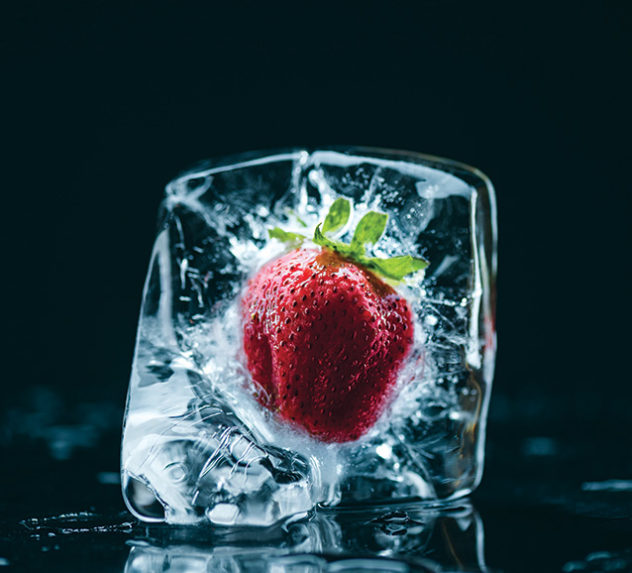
{"x": 103, "y": 103}
{"x": 109, "y": 101}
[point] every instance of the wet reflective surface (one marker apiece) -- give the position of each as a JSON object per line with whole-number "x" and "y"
{"x": 402, "y": 538}
{"x": 558, "y": 502}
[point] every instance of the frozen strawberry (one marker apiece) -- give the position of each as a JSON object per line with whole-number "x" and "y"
{"x": 324, "y": 336}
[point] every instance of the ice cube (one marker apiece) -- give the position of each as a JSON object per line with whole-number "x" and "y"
{"x": 197, "y": 444}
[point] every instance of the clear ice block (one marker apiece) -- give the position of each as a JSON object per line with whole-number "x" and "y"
{"x": 197, "y": 446}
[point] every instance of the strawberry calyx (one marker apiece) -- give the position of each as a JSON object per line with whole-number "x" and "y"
{"x": 368, "y": 232}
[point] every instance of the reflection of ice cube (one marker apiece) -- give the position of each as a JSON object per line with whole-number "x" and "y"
{"x": 197, "y": 446}
{"x": 384, "y": 540}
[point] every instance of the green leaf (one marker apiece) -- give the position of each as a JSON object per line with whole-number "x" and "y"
{"x": 323, "y": 241}
{"x": 397, "y": 268}
{"x": 369, "y": 230}
{"x": 337, "y": 216}
{"x": 285, "y": 236}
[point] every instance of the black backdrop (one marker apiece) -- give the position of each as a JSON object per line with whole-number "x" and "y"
{"x": 104, "y": 102}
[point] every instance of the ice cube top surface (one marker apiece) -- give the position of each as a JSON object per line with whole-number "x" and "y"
{"x": 199, "y": 445}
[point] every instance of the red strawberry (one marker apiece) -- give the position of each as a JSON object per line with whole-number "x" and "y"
{"x": 324, "y": 337}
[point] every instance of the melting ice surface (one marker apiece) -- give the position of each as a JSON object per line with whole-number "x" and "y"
{"x": 198, "y": 447}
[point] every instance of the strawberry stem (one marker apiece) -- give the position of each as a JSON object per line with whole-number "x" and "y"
{"x": 368, "y": 232}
